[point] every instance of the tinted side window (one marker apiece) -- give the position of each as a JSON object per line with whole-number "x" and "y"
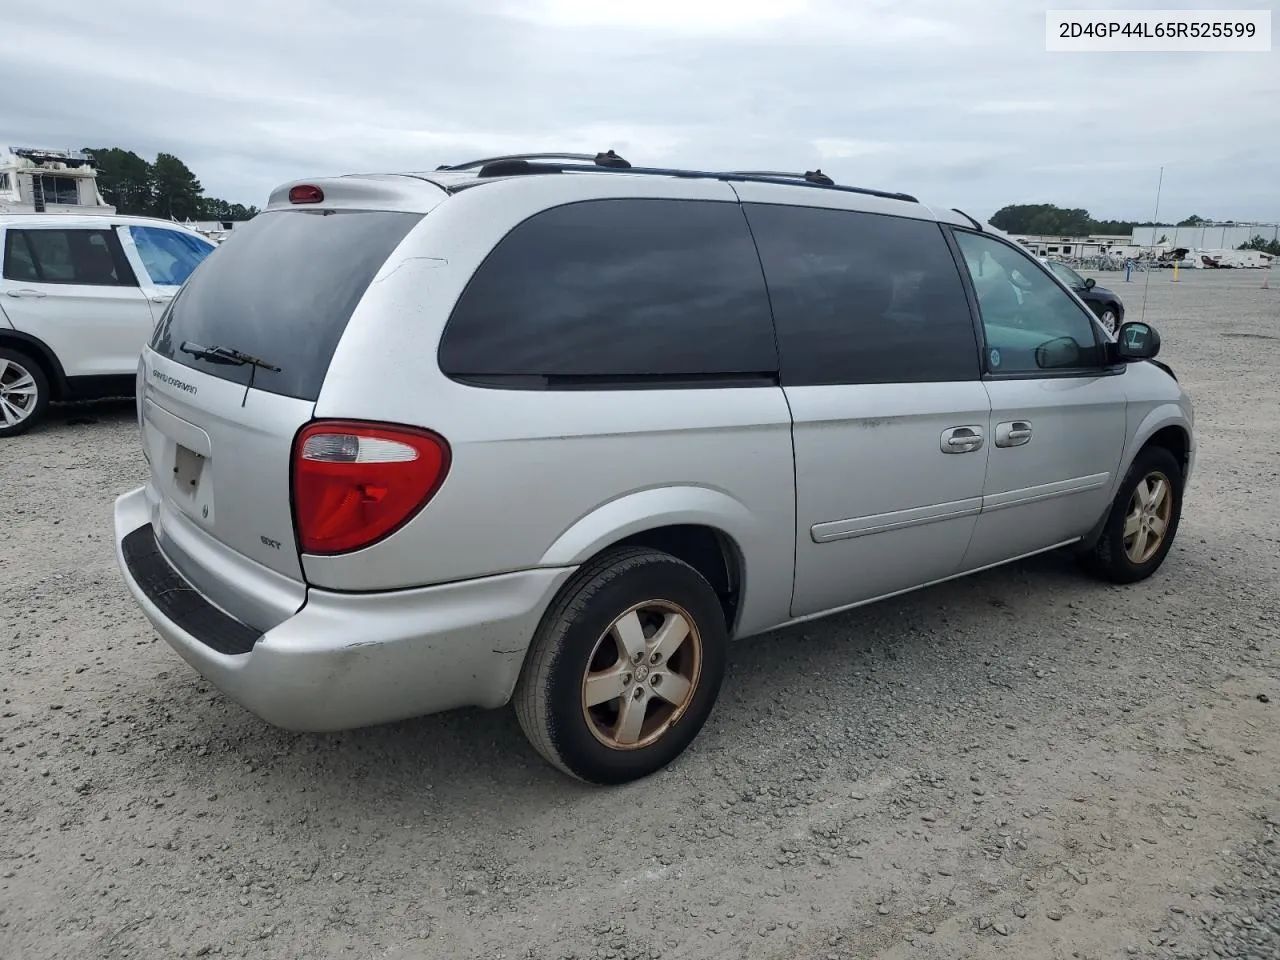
{"x": 630, "y": 288}
{"x": 71, "y": 256}
{"x": 1031, "y": 323}
{"x": 863, "y": 298}
{"x": 18, "y": 263}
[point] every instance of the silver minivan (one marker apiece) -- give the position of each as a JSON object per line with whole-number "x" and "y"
{"x": 553, "y": 430}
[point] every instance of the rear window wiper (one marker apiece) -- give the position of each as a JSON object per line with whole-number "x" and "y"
{"x": 216, "y": 354}
{"x": 226, "y": 355}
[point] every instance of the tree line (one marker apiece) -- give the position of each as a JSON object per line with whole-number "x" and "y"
{"x": 1049, "y": 220}
{"x": 164, "y": 187}
{"x": 1265, "y": 246}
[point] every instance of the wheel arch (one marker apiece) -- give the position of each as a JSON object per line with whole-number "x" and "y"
{"x": 1166, "y": 426}
{"x": 702, "y": 526}
{"x": 39, "y": 351}
{"x": 1177, "y": 440}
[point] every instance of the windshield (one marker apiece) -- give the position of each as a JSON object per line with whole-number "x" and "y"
{"x": 281, "y": 288}
{"x": 1066, "y": 274}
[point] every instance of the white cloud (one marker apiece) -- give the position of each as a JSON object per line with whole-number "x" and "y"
{"x": 687, "y": 17}
{"x": 835, "y": 148}
{"x": 953, "y": 100}
{"x": 1013, "y": 106}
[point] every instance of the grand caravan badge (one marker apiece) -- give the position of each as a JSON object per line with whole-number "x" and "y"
{"x": 173, "y": 382}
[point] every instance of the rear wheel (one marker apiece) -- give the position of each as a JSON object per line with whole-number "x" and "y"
{"x": 24, "y": 393}
{"x": 1143, "y": 521}
{"x": 625, "y": 667}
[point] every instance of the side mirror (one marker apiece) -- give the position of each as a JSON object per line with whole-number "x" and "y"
{"x": 1090, "y": 283}
{"x": 1136, "y": 341}
{"x": 1057, "y": 353}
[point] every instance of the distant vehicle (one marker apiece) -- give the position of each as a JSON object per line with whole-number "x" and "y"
{"x": 556, "y": 431}
{"x": 1105, "y": 303}
{"x": 79, "y": 297}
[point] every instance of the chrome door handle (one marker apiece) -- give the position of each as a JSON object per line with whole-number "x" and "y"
{"x": 1013, "y": 433}
{"x": 162, "y": 299}
{"x": 961, "y": 439}
{"x": 26, "y": 294}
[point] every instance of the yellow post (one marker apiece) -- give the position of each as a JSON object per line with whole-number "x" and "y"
{"x": 1175, "y": 271}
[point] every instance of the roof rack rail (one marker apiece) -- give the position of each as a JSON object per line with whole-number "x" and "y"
{"x": 976, "y": 225}
{"x": 809, "y": 176}
{"x": 527, "y": 164}
{"x": 814, "y": 178}
{"x": 606, "y": 158}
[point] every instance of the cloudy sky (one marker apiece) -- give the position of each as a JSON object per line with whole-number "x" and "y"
{"x": 954, "y": 100}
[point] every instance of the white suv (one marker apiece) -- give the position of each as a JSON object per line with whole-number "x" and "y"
{"x": 79, "y": 296}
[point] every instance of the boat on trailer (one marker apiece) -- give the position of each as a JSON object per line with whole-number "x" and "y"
{"x": 38, "y": 180}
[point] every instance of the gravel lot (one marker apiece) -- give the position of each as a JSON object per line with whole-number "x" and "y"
{"x": 1025, "y": 764}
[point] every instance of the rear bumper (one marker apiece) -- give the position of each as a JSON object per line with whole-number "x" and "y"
{"x": 344, "y": 660}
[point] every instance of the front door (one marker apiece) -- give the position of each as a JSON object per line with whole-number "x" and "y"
{"x": 879, "y": 365}
{"x": 162, "y": 258}
{"x": 1057, "y": 410}
{"x": 73, "y": 290}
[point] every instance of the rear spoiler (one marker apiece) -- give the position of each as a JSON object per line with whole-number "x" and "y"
{"x": 381, "y": 191}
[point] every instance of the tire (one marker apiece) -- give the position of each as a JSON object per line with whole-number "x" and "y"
{"x": 1115, "y": 556}
{"x": 601, "y": 743}
{"x": 24, "y": 393}
{"x": 1109, "y": 314}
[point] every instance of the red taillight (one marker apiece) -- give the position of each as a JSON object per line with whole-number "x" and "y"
{"x": 355, "y": 483}
{"x": 306, "y": 193}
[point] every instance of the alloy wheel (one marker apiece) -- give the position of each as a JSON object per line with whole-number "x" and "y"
{"x": 642, "y": 675}
{"x": 19, "y": 394}
{"x": 1147, "y": 520}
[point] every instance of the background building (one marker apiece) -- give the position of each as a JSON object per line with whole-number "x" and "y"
{"x": 1205, "y": 236}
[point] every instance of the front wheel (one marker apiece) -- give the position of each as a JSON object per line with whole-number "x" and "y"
{"x": 625, "y": 667}
{"x": 24, "y": 393}
{"x": 1110, "y": 318}
{"x": 1143, "y": 521}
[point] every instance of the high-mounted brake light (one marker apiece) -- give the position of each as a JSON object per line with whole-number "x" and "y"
{"x": 306, "y": 193}
{"x": 355, "y": 483}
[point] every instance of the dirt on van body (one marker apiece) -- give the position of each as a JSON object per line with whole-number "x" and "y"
{"x": 1026, "y": 763}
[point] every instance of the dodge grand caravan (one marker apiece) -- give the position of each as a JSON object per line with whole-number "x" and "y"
{"x": 554, "y": 429}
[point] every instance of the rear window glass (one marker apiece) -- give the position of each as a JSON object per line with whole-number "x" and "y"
{"x": 627, "y": 290}
{"x": 281, "y": 288}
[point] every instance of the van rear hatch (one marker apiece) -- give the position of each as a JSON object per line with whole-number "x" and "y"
{"x": 233, "y": 372}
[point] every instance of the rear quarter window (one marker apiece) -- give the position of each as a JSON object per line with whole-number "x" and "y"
{"x": 281, "y": 288}
{"x": 19, "y": 264}
{"x": 628, "y": 291}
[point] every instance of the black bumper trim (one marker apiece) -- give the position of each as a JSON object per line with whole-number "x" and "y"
{"x": 179, "y": 601}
